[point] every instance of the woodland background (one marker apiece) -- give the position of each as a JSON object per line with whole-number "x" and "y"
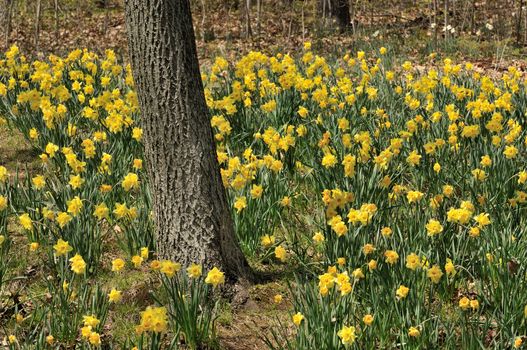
{"x": 470, "y": 28}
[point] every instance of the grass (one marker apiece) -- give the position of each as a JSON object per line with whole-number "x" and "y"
{"x": 15, "y": 151}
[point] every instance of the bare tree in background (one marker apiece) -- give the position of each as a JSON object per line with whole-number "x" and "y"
{"x": 519, "y": 23}
{"x": 342, "y": 13}
{"x": 37, "y": 24}
{"x": 56, "y": 15}
{"x": 7, "y": 15}
{"x": 445, "y": 13}
{"x": 338, "y": 10}
{"x": 247, "y": 18}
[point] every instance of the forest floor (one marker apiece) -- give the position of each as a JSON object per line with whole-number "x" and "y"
{"x": 219, "y": 31}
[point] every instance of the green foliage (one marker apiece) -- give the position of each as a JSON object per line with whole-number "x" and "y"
{"x": 191, "y": 308}
{"x": 395, "y": 189}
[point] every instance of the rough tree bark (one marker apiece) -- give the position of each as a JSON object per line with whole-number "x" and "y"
{"x": 193, "y": 222}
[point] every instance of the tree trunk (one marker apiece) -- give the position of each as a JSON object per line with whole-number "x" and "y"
{"x": 525, "y": 27}
{"x": 37, "y": 26}
{"x": 446, "y": 20}
{"x": 258, "y": 13}
{"x": 339, "y": 10}
{"x": 56, "y": 13}
{"x": 436, "y": 24}
{"x": 473, "y": 17}
{"x": 193, "y": 220}
{"x": 106, "y": 16}
{"x": 519, "y": 24}
{"x": 7, "y": 20}
{"x": 247, "y": 19}
{"x": 342, "y": 13}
